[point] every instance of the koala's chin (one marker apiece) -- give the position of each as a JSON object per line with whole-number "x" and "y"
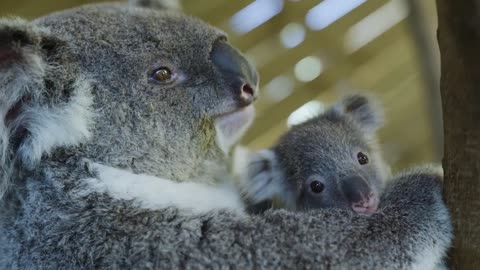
{"x": 230, "y": 127}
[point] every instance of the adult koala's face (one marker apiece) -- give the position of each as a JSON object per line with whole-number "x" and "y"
{"x": 136, "y": 87}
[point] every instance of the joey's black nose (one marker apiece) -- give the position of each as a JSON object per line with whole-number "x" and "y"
{"x": 360, "y": 196}
{"x": 237, "y": 72}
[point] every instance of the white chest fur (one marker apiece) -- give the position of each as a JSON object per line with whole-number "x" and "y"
{"x": 156, "y": 193}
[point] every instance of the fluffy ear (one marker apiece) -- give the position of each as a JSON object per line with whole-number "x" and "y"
{"x": 261, "y": 165}
{"x": 21, "y": 76}
{"x": 33, "y": 84}
{"x": 250, "y": 165}
{"x": 21, "y": 70}
{"x": 363, "y": 109}
{"x": 258, "y": 175}
{"x": 157, "y": 4}
{"x": 20, "y": 58}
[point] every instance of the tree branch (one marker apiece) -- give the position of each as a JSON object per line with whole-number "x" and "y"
{"x": 459, "y": 41}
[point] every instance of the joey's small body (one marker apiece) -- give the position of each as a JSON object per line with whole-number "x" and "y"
{"x": 331, "y": 160}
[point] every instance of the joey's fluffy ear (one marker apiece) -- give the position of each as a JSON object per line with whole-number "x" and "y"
{"x": 158, "y": 4}
{"x": 364, "y": 109}
{"x": 40, "y": 107}
{"x": 248, "y": 164}
{"x": 261, "y": 164}
{"x": 254, "y": 172}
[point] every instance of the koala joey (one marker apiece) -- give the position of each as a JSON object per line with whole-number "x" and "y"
{"x": 331, "y": 160}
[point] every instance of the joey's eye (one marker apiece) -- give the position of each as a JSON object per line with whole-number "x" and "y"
{"x": 163, "y": 75}
{"x": 317, "y": 186}
{"x": 362, "y": 158}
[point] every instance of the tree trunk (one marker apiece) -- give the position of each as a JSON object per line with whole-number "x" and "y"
{"x": 459, "y": 40}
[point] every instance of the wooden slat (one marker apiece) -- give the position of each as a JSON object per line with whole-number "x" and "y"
{"x": 329, "y": 40}
{"x": 387, "y": 66}
{"x": 383, "y": 89}
{"x": 281, "y": 110}
{"x": 32, "y": 9}
{"x": 393, "y": 98}
{"x": 215, "y": 12}
{"x": 406, "y": 130}
{"x": 292, "y": 12}
{"x": 8, "y": 8}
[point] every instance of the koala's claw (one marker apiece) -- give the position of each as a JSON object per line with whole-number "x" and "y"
{"x": 89, "y": 167}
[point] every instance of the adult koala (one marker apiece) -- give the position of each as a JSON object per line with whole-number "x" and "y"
{"x": 162, "y": 94}
{"x": 137, "y": 88}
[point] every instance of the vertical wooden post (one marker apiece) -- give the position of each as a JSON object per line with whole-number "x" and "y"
{"x": 459, "y": 40}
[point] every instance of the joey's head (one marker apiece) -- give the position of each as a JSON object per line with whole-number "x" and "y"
{"x": 123, "y": 84}
{"x": 331, "y": 160}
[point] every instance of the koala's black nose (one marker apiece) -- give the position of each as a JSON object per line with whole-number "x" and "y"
{"x": 237, "y": 72}
{"x": 361, "y": 197}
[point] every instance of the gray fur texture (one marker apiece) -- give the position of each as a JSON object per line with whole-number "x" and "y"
{"x": 331, "y": 160}
{"x": 156, "y": 4}
{"x": 74, "y": 85}
{"x": 129, "y": 119}
{"x": 410, "y": 231}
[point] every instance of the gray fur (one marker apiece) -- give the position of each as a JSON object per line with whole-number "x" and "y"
{"x": 363, "y": 110}
{"x": 88, "y": 81}
{"x": 59, "y": 232}
{"x": 157, "y": 4}
{"x": 323, "y": 149}
{"x": 127, "y": 107}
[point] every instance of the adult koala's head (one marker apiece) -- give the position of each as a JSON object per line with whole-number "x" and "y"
{"x": 123, "y": 84}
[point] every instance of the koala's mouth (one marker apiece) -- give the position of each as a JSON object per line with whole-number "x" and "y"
{"x": 231, "y": 126}
{"x": 368, "y": 205}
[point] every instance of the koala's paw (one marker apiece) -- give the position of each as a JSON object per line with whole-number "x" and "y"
{"x": 105, "y": 179}
{"x": 417, "y": 186}
{"x": 91, "y": 183}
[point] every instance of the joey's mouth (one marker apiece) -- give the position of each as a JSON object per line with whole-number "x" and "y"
{"x": 368, "y": 207}
{"x": 231, "y": 126}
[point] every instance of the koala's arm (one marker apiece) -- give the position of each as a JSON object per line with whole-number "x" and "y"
{"x": 154, "y": 193}
{"x": 411, "y": 231}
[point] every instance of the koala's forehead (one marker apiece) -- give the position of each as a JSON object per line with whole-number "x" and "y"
{"x": 127, "y": 30}
{"x": 324, "y": 134}
{"x": 320, "y": 143}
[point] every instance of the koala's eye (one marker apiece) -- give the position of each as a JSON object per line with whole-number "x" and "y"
{"x": 317, "y": 186}
{"x": 362, "y": 158}
{"x": 163, "y": 75}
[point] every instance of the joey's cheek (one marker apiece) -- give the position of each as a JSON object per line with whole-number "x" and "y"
{"x": 310, "y": 202}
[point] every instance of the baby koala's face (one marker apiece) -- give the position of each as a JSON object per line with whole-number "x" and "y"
{"x": 329, "y": 161}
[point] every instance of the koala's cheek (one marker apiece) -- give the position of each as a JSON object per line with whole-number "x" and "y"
{"x": 232, "y": 126}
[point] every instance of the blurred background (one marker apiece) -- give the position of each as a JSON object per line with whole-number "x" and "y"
{"x": 311, "y": 52}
